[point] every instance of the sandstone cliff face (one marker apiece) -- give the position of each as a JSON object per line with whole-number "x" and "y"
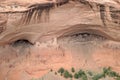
{"x": 39, "y": 35}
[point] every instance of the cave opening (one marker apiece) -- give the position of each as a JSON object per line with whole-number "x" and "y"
{"x": 21, "y": 42}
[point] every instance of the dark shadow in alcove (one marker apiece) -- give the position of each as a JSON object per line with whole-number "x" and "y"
{"x": 22, "y": 43}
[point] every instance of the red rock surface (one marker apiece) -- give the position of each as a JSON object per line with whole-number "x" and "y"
{"x": 36, "y": 37}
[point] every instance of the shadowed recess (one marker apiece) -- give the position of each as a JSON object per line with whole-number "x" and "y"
{"x": 21, "y": 42}
{"x": 115, "y": 15}
{"x": 102, "y": 13}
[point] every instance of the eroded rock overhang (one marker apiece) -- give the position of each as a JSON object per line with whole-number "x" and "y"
{"x": 104, "y": 15}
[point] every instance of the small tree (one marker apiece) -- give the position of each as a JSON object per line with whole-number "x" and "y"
{"x": 66, "y": 74}
{"x": 61, "y": 70}
{"x": 76, "y": 76}
{"x": 84, "y": 77}
{"x": 90, "y": 73}
{"x": 55, "y": 73}
{"x": 51, "y": 70}
{"x": 81, "y": 73}
{"x": 70, "y": 75}
{"x": 98, "y": 76}
{"x": 72, "y": 69}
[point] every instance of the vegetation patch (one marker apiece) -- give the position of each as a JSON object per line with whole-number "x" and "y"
{"x": 89, "y": 75}
{"x": 85, "y": 74}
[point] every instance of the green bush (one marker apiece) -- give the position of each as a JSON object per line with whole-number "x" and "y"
{"x": 90, "y": 73}
{"x": 66, "y": 74}
{"x": 72, "y": 70}
{"x": 61, "y": 70}
{"x": 106, "y": 70}
{"x": 76, "y": 76}
{"x": 98, "y": 76}
{"x": 70, "y": 75}
{"x": 84, "y": 77}
{"x": 110, "y": 73}
{"x": 118, "y": 78}
{"x": 81, "y": 72}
